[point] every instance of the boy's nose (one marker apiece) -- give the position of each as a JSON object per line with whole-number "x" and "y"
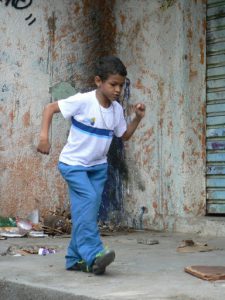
{"x": 118, "y": 89}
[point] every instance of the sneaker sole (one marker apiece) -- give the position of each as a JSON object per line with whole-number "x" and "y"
{"x": 102, "y": 262}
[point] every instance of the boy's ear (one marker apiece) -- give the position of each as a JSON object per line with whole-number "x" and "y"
{"x": 98, "y": 81}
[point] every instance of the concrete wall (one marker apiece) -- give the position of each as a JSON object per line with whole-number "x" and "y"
{"x": 47, "y": 50}
{"x": 163, "y": 45}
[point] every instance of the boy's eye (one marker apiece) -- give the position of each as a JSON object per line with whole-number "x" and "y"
{"x": 115, "y": 84}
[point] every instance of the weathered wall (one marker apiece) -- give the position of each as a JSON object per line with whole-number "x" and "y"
{"x": 47, "y": 51}
{"x": 48, "y": 55}
{"x": 163, "y": 45}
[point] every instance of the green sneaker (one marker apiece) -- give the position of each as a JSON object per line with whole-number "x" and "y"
{"x": 80, "y": 266}
{"x": 103, "y": 259}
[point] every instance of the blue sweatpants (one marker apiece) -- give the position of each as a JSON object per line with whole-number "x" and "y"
{"x": 86, "y": 186}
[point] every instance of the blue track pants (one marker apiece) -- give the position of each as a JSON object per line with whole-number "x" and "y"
{"x": 86, "y": 186}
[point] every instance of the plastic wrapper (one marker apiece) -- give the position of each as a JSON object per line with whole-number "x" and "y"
{"x": 45, "y": 251}
{"x": 7, "y": 222}
{"x": 24, "y": 226}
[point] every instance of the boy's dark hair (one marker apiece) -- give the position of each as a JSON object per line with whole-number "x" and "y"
{"x": 109, "y": 65}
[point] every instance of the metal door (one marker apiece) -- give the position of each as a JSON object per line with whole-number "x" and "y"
{"x": 215, "y": 107}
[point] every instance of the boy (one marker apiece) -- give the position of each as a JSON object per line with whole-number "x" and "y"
{"x": 96, "y": 116}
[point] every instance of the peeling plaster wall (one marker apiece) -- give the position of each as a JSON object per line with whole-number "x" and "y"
{"x": 47, "y": 51}
{"x": 164, "y": 50}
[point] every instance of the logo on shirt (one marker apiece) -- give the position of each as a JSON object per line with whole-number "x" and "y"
{"x": 89, "y": 121}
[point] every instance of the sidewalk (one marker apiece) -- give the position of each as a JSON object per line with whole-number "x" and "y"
{"x": 140, "y": 271}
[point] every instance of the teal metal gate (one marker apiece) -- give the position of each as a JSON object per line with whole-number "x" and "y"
{"x": 215, "y": 107}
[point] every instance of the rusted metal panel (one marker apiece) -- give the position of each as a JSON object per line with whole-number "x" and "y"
{"x": 215, "y": 107}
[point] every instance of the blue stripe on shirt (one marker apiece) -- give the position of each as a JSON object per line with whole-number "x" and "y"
{"x": 92, "y": 130}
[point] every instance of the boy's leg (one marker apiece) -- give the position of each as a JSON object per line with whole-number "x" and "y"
{"x": 98, "y": 177}
{"x": 72, "y": 256}
{"x": 84, "y": 211}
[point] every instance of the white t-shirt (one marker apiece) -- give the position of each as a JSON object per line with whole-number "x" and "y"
{"x": 92, "y": 129}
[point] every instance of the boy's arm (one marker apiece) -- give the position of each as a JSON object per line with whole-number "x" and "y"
{"x": 50, "y": 109}
{"x": 140, "y": 112}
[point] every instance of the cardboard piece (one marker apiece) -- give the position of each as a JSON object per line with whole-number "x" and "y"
{"x": 188, "y": 246}
{"x": 210, "y": 273}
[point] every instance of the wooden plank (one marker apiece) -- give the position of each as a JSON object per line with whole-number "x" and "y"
{"x": 215, "y": 60}
{"x": 216, "y": 107}
{"x": 213, "y": 3}
{"x": 216, "y": 195}
{"x": 215, "y": 145}
{"x": 216, "y": 83}
{"x": 215, "y": 169}
{"x": 215, "y": 208}
{"x": 215, "y": 157}
{"x": 215, "y": 132}
{"x": 215, "y": 96}
{"x": 215, "y": 182}
{"x": 213, "y": 36}
{"x": 213, "y": 72}
{"x": 210, "y": 273}
{"x": 217, "y": 120}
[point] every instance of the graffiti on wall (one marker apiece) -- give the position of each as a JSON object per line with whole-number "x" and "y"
{"x": 21, "y": 4}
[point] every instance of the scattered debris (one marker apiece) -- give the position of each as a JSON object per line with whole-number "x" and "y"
{"x": 210, "y": 273}
{"x": 10, "y": 232}
{"x": 110, "y": 228}
{"x": 34, "y": 233}
{"x": 57, "y": 222}
{"x": 167, "y": 4}
{"x": 7, "y": 222}
{"x": 188, "y": 246}
{"x": 24, "y": 226}
{"x": 45, "y": 251}
{"x": 16, "y": 250}
{"x": 147, "y": 241}
{"x": 54, "y": 223}
{"x": 33, "y": 217}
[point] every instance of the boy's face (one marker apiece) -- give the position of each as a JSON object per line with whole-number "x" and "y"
{"x": 111, "y": 88}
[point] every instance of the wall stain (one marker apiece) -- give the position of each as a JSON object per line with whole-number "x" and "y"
{"x": 155, "y": 204}
{"x": 192, "y": 73}
{"x": 139, "y": 84}
{"x": 122, "y": 18}
{"x": 5, "y": 88}
{"x": 76, "y": 9}
{"x": 51, "y": 45}
{"x": 202, "y": 46}
{"x": 26, "y": 119}
{"x": 170, "y": 128}
{"x": 11, "y": 115}
{"x": 190, "y": 34}
{"x": 160, "y": 88}
{"x": 204, "y": 24}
